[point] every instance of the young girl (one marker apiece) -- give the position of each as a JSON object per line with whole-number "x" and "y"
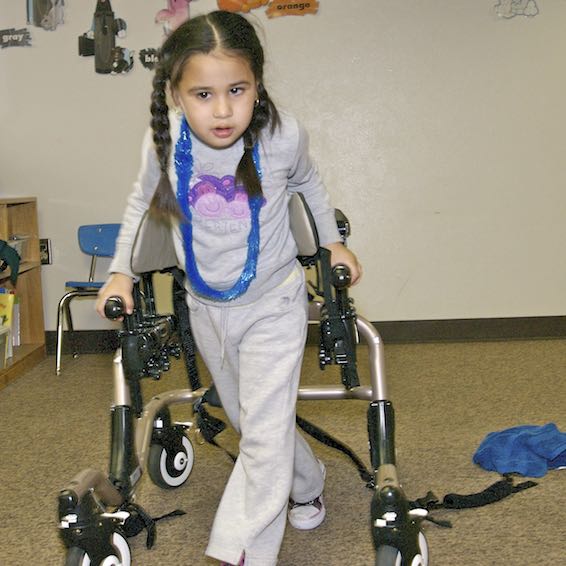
{"x": 221, "y": 168}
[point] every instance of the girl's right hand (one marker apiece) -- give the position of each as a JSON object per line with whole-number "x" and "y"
{"x": 117, "y": 285}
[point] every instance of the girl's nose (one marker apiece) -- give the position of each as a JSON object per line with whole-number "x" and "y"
{"x": 222, "y": 107}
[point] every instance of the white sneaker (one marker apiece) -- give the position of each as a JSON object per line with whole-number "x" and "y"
{"x": 308, "y": 515}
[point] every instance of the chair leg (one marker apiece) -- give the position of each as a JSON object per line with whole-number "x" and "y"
{"x": 61, "y": 310}
{"x": 64, "y": 310}
{"x": 70, "y": 327}
{"x": 68, "y": 317}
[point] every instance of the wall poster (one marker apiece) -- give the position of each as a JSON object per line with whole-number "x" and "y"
{"x": 100, "y": 41}
{"x": 13, "y": 37}
{"x": 511, "y": 8}
{"x": 275, "y": 9}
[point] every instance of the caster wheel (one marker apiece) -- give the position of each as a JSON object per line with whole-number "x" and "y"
{"x": 78, "y": 557}
{"x": 170, "y": 469}
{"x": 390, "y": 556}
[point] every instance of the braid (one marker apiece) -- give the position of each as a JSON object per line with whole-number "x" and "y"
{"x": 246, "y": 173}
{"x": 164, "y": 203}
{"x": 265, "y": 113}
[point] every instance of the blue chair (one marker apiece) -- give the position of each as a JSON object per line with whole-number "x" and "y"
{"x": 96, "y": 240}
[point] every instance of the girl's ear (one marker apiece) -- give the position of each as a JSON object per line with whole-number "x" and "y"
{"x": 171, "y": 94}
{"x": 175, "y": 97}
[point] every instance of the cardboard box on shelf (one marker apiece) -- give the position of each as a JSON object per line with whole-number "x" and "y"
{"x": 19, "y": 242}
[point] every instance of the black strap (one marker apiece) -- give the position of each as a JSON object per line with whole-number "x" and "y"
{"x": 139, "y": 520}
{"x": 209, "y": 425}
{"x": 491, "y": 494}
{"x": 325, "y": 438}
{"x": 181, "y": 311}
{"x": 495, "y": 492}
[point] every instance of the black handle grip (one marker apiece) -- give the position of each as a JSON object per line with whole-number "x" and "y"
{"x": 341, "y": 276}
{"x": 114, "y": 308}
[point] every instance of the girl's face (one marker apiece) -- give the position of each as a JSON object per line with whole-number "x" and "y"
{"x": 217, "y": 93}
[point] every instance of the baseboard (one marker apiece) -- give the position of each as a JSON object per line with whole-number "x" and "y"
{"x": 473, "y": 329}
{"x": 83, "y": 341}
{"x": 393, "y": 332}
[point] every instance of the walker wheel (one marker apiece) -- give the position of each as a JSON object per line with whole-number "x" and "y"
{"x": 391, "y": 556}
{"x": 169, "y": 467}
{"x": 78, "y": 557}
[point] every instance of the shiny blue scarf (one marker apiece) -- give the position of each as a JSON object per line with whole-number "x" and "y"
{"x": 184, "y": 168}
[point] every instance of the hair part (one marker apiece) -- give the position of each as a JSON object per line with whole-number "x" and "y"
{"x": 232, "y": 34}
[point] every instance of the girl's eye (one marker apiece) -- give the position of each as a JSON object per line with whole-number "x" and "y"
{"x": 203, "y": 95}
{"x": 236, "y": 90}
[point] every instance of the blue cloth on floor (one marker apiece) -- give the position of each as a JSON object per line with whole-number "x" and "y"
{"x": 529, "y": 450}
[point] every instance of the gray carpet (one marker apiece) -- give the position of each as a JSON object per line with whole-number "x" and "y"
{"x": 447, "y": 398}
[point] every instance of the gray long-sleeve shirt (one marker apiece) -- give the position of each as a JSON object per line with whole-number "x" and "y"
{"x": 220, "y": 213}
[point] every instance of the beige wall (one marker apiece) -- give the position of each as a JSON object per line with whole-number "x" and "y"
{"x": 437, "y": 126}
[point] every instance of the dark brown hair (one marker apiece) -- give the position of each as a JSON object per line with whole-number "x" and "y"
{"x": 233, "y": 34}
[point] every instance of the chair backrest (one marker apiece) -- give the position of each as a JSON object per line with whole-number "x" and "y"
{"x": 98, "y": 239}
{"x": 153, "y": 248}
{"x": 303, "y": 226}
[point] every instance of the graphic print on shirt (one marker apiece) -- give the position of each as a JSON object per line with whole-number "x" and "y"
{"x": 220, "y": 205}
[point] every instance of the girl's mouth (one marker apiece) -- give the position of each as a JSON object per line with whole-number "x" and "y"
{"x": 222, "y": 132}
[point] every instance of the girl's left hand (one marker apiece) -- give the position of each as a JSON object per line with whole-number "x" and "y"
{"x": 341, "y": 254}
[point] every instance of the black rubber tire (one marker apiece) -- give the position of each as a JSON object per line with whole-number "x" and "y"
{"x": 76, "y": 557}
{"x": 170, "y": 471}
{"x": 390, "y": 556}
{"x": 387, "y": 556}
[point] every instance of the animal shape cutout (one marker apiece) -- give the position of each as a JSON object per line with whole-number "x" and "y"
{"x": 174, "y": 15}
{"x": 47, "y": 14}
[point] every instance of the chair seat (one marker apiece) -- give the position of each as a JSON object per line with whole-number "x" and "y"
{"x": 84, "y": 284}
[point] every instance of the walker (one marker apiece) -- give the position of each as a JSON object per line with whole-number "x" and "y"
{"x": 97, "y": 512}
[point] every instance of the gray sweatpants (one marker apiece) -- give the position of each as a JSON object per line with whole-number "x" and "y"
{"x": 254, "y": 354}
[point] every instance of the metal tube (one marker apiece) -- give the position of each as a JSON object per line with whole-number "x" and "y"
{"x": 121, "y": 388}
{"x": 92, "y": 269}
{"x": 387, "y": 475}
{"x": 381, "y": 430}
{"x": 94, "y": 480}
{"x": 330, "y": 393}
{"x": 376, "y": 357}
{"x": 64, "y": 307}
{"x": 144, "y": 428}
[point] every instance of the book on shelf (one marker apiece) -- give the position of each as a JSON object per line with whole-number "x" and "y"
{"x": 7, "y": 300}
{"x": 16, "y": 340}
{"x": 4, "y": 340}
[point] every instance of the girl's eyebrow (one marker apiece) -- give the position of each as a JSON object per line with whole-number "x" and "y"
{"x": 232, "y": 85}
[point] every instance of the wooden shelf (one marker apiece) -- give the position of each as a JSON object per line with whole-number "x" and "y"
{"x": 25, "y": 357}
{"x": 24, "y": 266}
{"x": 19, "y": 216}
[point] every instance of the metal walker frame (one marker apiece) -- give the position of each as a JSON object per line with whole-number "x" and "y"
{"x": 97, "y": 511}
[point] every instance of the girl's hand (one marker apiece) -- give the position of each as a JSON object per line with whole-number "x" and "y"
{"x": 341, "y": 254}
{"x": 117, "y": 285}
